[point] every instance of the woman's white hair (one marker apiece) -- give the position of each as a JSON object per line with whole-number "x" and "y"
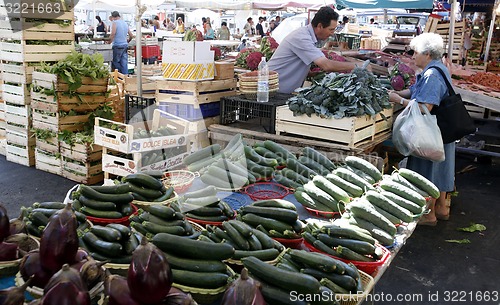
{"x": 428, "y": 43}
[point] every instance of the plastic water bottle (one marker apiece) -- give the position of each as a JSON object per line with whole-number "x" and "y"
{"x": 263, "y": 82}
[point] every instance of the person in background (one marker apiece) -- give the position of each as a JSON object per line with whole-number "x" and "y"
{"x": 430, "y": 88}
{"x": 248, "y": 28}
{"x": 210, "y": 35}
{"x": 277, "y": 21}
{"x": 179, "y": 29}
{"x": 259, "y": 28}
{"x": 298, "y": 50}
{"x": 118, "y": 36}
{"x": 169, "y": 25}
{"x": 272, "y": 26}
{"x": 223, "y": 33}
{"x": 372, "y": 21}
{"x": 203, "y": 22}
{"x": 156, "y": 23}
{"x": 101, "y": 26}
{"x": 242, "y": 45}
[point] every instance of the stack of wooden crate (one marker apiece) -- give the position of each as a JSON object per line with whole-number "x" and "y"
{"x": 443, "y": 29}
{"x": 55, "y": 110}
{"x": 3, "y": 141}
{"x": 29, "y": 35}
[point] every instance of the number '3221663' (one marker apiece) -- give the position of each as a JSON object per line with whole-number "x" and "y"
{"x": 471, "y": 296}
{"x": 40, "y": 8}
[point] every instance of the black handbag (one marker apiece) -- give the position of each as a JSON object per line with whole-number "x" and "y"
{"x": 453, "y": 119}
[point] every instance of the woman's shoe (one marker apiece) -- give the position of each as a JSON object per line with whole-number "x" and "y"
{"x": 446, "y": 215}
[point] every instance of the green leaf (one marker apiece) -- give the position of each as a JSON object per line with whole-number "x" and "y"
{"x": 458, "y": 241}
{"x": 473, "y": 228}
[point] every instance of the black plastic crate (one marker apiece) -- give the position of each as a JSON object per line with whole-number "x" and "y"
{"x": 243, "y": 110}
{"x": 139, "y": 108}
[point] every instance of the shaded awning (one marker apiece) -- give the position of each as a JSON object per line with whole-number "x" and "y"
{"x": 406, "y": 4}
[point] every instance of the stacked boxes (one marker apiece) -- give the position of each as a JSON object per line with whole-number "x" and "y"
{"x": 36, "y": 32}
{"x": 3, "y": 141}
{"x": 187, "y": 60}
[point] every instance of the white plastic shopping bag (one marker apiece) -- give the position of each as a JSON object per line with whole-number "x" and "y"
{"x": 417, "y": 134}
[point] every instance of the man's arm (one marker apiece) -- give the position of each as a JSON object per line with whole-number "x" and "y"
{"x": 130, "y": 35}
{"x": 113, "y": 32}
{"x": 328, "y": 65}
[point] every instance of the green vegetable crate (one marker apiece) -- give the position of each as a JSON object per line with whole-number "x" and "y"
{"x": 82, "y": 163}
{"x": 353, "y": 132}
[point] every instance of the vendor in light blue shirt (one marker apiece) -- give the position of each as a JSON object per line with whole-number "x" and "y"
{"x": 296, "y": 53}
{"x": 118, "y": 36}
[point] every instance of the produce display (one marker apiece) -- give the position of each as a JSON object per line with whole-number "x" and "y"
{"x": 340, "y": 95}
{"x": 402, "y": 76}
{"x": 14, "y": 242}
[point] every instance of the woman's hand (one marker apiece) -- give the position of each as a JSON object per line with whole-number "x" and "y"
{"x": 394, "y": 97}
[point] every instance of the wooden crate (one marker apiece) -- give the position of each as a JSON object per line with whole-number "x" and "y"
{"x": 16, "y": 93}
{"x": 55, "y": 122}
{"x": 49, "y": 145}
{"x": 23, "y": 52}
{"x": 148, "y": 85}
{"x": 224, "y": 70}
{"x": 21, "y": 155}
{"x": 17, "y": 73}
{"x": 85, "y": 153}
{"x": 18, "y": 117}
{"x": 52, "y": 81}
{"x": 48, "y": 162}
{"x": 352, "y": 132}
{"x": 63, "y": 102}
{"x": 198, "y": 92}
{"x": 20, "y": 138}
{"x": 443, "y": 29}
{"x": 3, "y": 145}
{"x": 3, "y": 125}
{"x": 2, "y": 111}
{"x": 86, "y": 173}
{"x": 48, "y": 29}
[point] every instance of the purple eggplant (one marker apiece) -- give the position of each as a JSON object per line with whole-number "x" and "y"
{"x": 14, "y": 295}
{"x": 66, "y": 274}
{"x": 18, "y": 225}
{"x": 8, "y": 251}
{"x": 178, "y": 297}
{"x": 116, "y": 288}
{"x": 30, "y": 266}
{"x": 244, "y": 291}
{"x": 66, "y": 293}
{"x": 59, "y": 242}
{"x": 149, "y": 275}
{"x": 4, "y": 223}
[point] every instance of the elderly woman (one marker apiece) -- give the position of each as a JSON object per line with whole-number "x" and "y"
{"x": 430, "y": 88}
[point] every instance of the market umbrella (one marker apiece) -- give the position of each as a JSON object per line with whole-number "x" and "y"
{"x": 406, "y": 4}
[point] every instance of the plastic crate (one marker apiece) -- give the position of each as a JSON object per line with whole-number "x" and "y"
{"x": 139, "y": 108}
{"x": 353, "y": 40}
{"x": 189, "y": 112}
{"x": 150, "y": 51}
{"x": 240, "y": 109}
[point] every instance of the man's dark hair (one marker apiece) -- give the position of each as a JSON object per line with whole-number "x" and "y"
{"x": 115, "y": 14}
{"x": 249, "y": 18}
{"x": 223, "y": 23}
{"x": 345, "y": 19}
{"x": 325, "y": 15}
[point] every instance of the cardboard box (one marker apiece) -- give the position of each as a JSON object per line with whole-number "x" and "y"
{"x": 189, "y": 71}
{"x": 186, "y": 51}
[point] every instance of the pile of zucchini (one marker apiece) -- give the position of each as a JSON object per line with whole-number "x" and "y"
{"x": 158, "y": 218}
{"x": 196, "y": 263}
{"x": 141, "y": 133}
{"x": 347, "y": 242}
{"x": 277, "y": 218}
{"x": 113, "y": 243}
{"x": 306, "y": 273}
{"x": 246, "y": 240}
{"x": 203, "y": 205}
{"x": 37, "y": 216}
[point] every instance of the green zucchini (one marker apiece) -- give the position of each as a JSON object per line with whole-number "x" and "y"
{"x": 347, "y": 186}
{"x": 349, "y": 254}
{"x": 278, "y": 149}
{"x": 146, "y": 216}
{"x": 201, "y": 211}
{"x": 220, "y": 218}
{"x": 395, "y": 220}
{"x": 402, "y": 202}
{"x": 218, "y": 182}
{"x": 232, "y": 167}
{"x": 203, "y": 153}
{"x": 122, "y": 259}
{"x": 379, "y": 234}
{"x": 265, "y": 171}
{"x": 201, "y": 193}
{"x": 139, "y": 228}
{"x": 286, "y": 182}
{"x": 90, "y": 193}
{"x": 290, "y": 281}
{"x": 294, "y": 176}
{"x": 155, "y": 229}
{"x": 207, "y": 201}
{"x": 207, "y": 280}
{"x": 101, "y": 214}
{"x": 300, "y": 168}
{"x": 383, "y": 202}
{"x": 235, "y": 141}
{"x": 49, "y": 205}
{"x": 131, "y": 244}
{"x": 348, "y": 232}
{"x": 285, "y": 215}
{"x": 318, "y": 157}
{"x": 333, "y": 190}
{"x": 109, "y": 249}
{"x": 333, "y": 286}
{"x": 364, "y": 209}
{"x": 235, "y": 236}
{"x": 198, "y": 165}
{"x": 276, "y": 296}
{"x": 143, "y": 180}
{"x": 244, "y": 229}
{"x": 317, "y": 260}
{"x": 106, "y": 233}
{"x": 307, "y": 201}
{"x": 226, "y": 209}
{"x": 402, "y": 191}
{"x": 315, "y": 166}
{"x": 318, "y": 244}
{"x": 255, "y": 157}
{"x": 275, "y": 203}
{"x": 322, "y": 197}
{"x": 229, "y": 177}
{"x": 96, "y": 204}
{"x": 267, "y": 223}
{"x": 191, "y": 248}
{"x": 167, "y": 195}
{"x": 364, "y": 166}
{"x": 361, "y": 174}
{"x": 352, "y": 177}
{"x": 362, "y": 247}
{"x": 264, "y": 239}
{"x": 263, "y": 255}
{"x": 396, "y": 177}
{"x": 261, "y": 150}
{"x": 344, "y": 281}
{"x": 196, "y": 265}
{"x": 254, "y": 243}
{"x": 164, "y": 212}
{"x": 150, "y": 194}
{"x": 420, "y": 181}
{"x": 39, "y": 219}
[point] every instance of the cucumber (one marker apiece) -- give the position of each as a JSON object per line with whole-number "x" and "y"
{"x": 402, "y": 191}
{"x": 101, "y": 214}
{"x": 263, "y": 255}
{"x": 269, "y": 154}
{"x": 306, "y": 200}
{"x": 290, "y": 281}
{"x": 278, "y": 150}
{"x": 229, "y": 177}
{"x": 402, "y": 202}
{"x": 201, "y": 154}
{"x": 155, "y": 229}
{"x": 109, "y": 249}
{"x": 275, "y": 203}
{"x": 198, "y": 165}
{"x": 294, "y": 176}
{"x": 285, "y": 215}
{"x": 90, "y": 193}
{"x": 96, "y": 204}
{"x": 204, "y": 192}
{"x": 396, "y": 177}
{"x": 267, "y": 223}
{"x": 350, "y": 176}
{"x": 347, "y": 186}
{"x": 315, "y": 166}
{"x": 362, "y": 247}
{"x": 207, "y": 280}
{"x": 351, "y": 255}
{"x": 420, "y": 181}
{"x": 144, "y": 180}
{"x": 219, "y": 183}
{"x": 333, "y": 190}
{"x": 286, "y": 182}
{"x": 395, "y": 220}
{"x": 106, "y": 233}
{"x": 364, "y": 209}
{"x": 321, "y": 196}
{"x": 364, "y": 166}
{"x": 235, "y": 141}
{"x": 317, "y": 261}
{"x": 361, "y": 174}
{"x": 255, "y": 157}
{"x": 235, "y": 236}
{"x": 195, "y": 264}
{"x": 264, "y": 171}
{"x": 189, "y": 248}
{"x": 300, "y": 168}
{"x": 231, "y": 167}
{"x": 383, "y": 202}
{"x": 318, "y": 157}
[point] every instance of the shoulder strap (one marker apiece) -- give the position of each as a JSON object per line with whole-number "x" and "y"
{"x": 450, "y": 87}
